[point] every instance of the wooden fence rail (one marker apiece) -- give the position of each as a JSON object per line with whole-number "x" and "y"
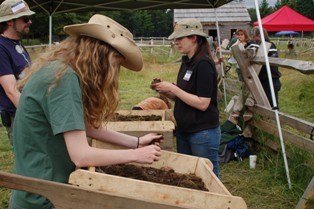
{"x": 294, "y": 130}
{"x": 296, "y": 41}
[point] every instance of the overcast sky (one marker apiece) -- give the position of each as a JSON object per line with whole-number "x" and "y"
{"x": 251, "y": 3}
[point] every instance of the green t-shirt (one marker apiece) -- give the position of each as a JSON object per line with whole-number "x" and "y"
{"x": 41, "y": 118}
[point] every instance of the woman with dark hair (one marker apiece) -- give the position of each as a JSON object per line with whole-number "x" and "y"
{"x": 195, "y": 94}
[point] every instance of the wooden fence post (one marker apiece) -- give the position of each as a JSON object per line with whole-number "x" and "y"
{"x": 307, "y": 199}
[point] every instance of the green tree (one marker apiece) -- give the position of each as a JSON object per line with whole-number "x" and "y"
{"x": 142, "y": 23}
{"x": 281, "y": 3}
{"x": 252, "y": 13}
{"x": 154, "y": 23}
{"x": 162, "y": 22}
{"x": 265, "y": 9}
{"x": 40, "y": 25}
{"x": 305, "y": 7}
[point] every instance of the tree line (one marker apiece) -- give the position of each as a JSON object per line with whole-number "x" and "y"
{"x": 142, "y": 23}
{"x": 147, "y": 23}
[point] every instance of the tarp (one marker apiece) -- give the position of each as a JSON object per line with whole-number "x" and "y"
{"x": 286, "y": 18}
{"x": 285, "y": 32}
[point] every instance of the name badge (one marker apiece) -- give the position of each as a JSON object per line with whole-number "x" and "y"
{"x": 187, "y": 75}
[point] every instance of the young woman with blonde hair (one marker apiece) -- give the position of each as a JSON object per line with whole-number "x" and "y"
{"x": 66, "y": 96}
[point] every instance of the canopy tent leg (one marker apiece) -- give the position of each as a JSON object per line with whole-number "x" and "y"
{"x": 221, "y": 66}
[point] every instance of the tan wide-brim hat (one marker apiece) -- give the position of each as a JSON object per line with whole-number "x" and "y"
{"x": 12, "y": 9}
{"x": 187, "y": 27}
{"x": 107, "y": 30}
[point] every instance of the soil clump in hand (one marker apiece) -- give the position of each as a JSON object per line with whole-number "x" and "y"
{"x": 155, "y": 80}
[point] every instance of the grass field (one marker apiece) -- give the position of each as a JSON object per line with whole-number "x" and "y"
{"x": 263, "y": 188}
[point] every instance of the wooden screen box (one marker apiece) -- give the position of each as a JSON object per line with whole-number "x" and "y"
{"x": 139, "y": 123}
{"x": 218, "y": 197}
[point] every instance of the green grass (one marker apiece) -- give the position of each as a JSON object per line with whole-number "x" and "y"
{"x": 266, "y": 186}
{"x": 134, "y": 86}
{"x": 258, "y": 187}
{"x": 296, "y": 94}
{"x": 262, "y": 188}
{"x": 6, "y": 162}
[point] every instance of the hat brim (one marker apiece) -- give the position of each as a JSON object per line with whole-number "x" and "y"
{"x": 15, "y": 16}
{"x": 124, "y": 45}
{"x": 181, "y": 34}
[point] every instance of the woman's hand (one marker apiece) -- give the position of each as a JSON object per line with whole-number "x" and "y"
{"x": 151, "y": 138}
{"x": 148, "y": 154}
{"x": 164, "y": 87}
{"x": 167, "y": 89}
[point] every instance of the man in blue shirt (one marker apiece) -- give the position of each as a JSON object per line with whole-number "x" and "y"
{"x": 14, "y": 23}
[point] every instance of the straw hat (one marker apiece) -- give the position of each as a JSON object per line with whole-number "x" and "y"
{"x": 12, "y": 9}
{"x": 187, "y": 27}
{"x": 107, "y": 30}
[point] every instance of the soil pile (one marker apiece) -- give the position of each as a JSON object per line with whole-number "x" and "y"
{"x": 163, "y": 175}
{"x": 118, "y": 117}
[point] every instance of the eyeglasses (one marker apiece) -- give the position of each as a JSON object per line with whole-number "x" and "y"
{"x": 25, "y": 19}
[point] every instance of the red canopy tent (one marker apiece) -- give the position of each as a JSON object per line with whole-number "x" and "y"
{"x": 286, "y": 18}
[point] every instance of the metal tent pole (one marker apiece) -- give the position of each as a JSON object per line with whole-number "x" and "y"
{"x": 50, "y": 30}
{"x": 272, "y": 92}
{"x": 221, "y": 65}
{"x": 50, "y": 20}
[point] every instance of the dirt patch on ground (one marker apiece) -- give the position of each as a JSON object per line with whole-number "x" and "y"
{"x": 118, "y": 117}
{"x": 163, "y": 175}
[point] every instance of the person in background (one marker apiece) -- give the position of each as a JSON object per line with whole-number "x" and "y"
{"x": 233, "y": 40}
{"x": 275, "y": 73}
{"x": 242, "y": 38}
{"x": 195, "y": 94}
{"x": 68, "y": 95}
{"x": 212, "y": 48}
{"x": 291, "y": 50}
{"x": 14, "y": 24}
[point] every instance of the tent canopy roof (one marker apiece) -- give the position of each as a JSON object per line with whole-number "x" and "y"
{"x": 286, "y": 18}
{"x": 61, "y": 6}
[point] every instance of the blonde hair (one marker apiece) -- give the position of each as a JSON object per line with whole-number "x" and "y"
{"x": 97, "y": 66}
